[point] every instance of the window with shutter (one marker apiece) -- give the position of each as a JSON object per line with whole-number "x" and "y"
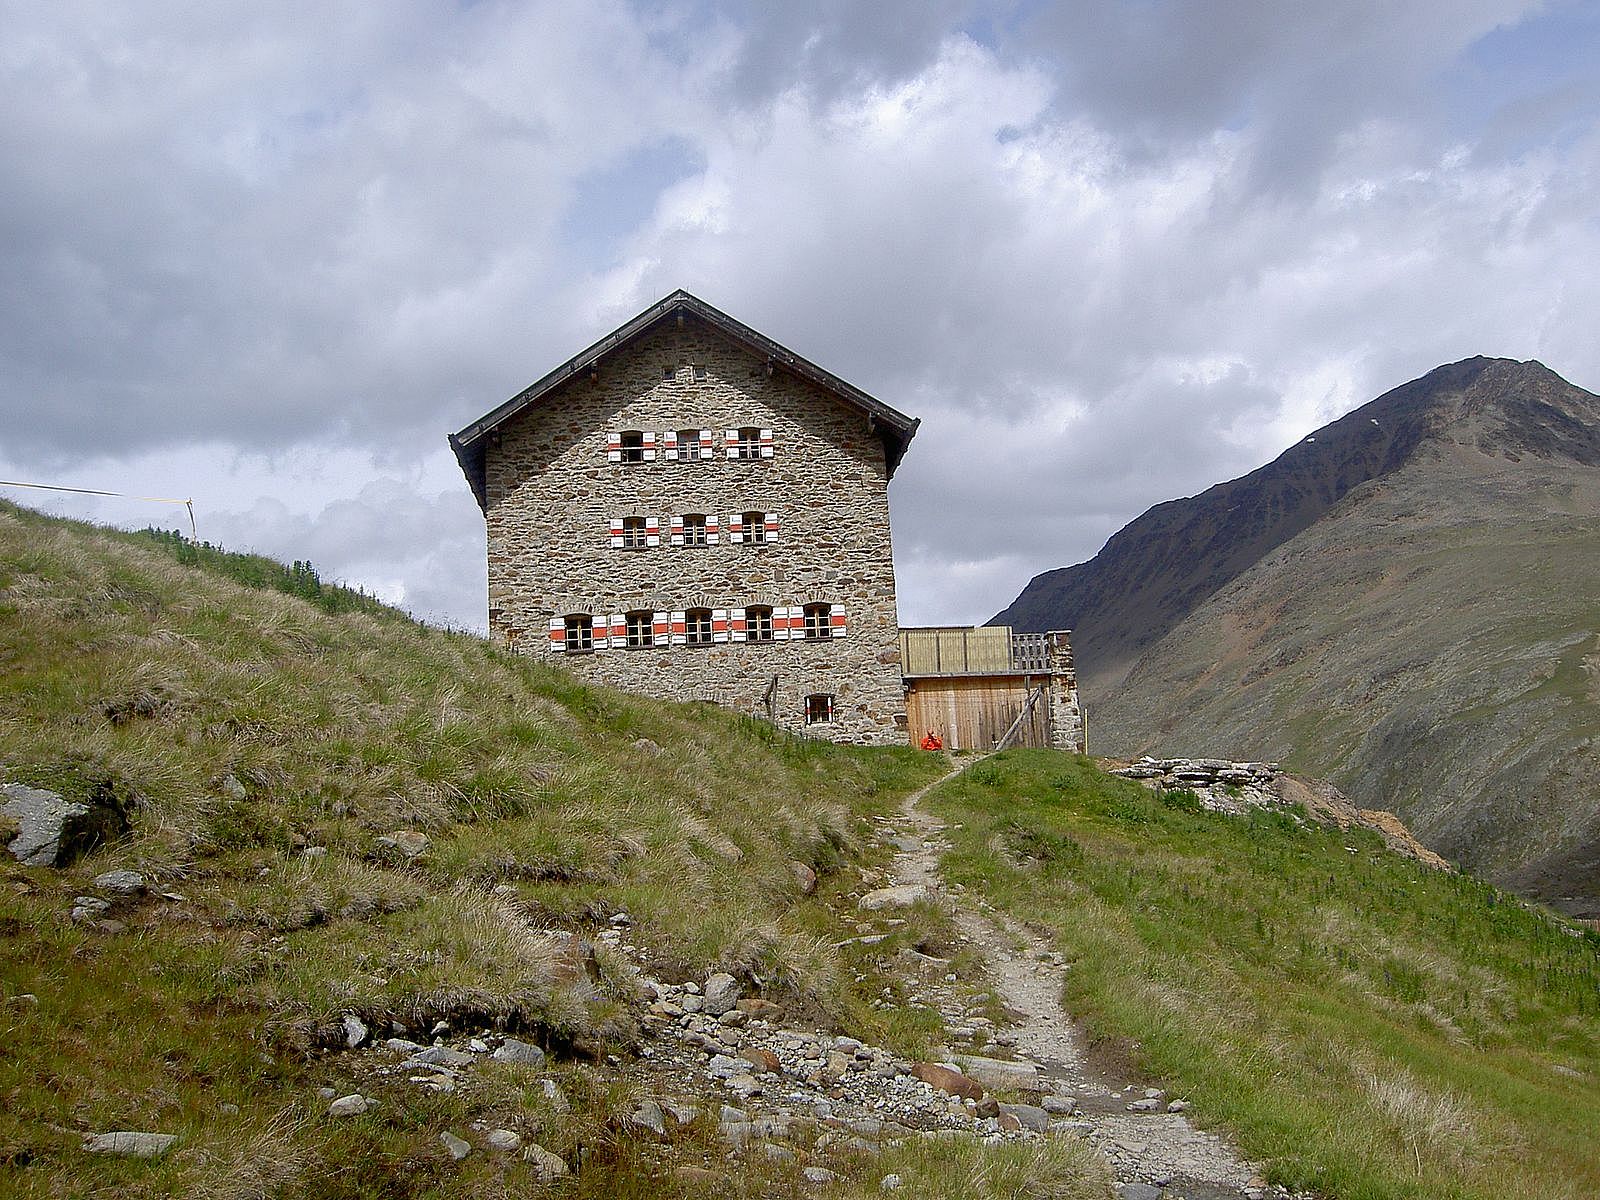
{"x": 754, "y": 525}
{"x": 640, "y": 630}
{"x": 688, "y": 445}
{"x": 630, "y": 446}
{"x": 694, "y": 529}
{"x": 758, "y": 624}
{"x": 746, "y": 443}
{"x": 634, "y": 534}
{"x": 697, "y": 627}
{"x": 816, "y": 624}
{"x": 579, "y": 633}
{"x": 819, "y": 708}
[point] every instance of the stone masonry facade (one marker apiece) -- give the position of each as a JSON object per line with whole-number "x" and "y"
{"x": 576, "y": 536}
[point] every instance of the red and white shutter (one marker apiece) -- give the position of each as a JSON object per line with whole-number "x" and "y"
{"x": 836, "y": 621}
{"x": 619, "y": 634}
{"x": 660, "y": 628}
{"x": 649, "y": 445}
{"x": 766, "y": 443}
{"x": 736, "y": 625}
{"x": 669, "y": 444}
{"x": 614, "y": 447}
{"x": 558, "y": 635}
{"x": 616, "y": 532}
{"x": 677, "y": 531}
{"x": 719, "y": 624}
{"x": 708, "y": 443}
{"x": 735, "y": 528}
{"x": 731, "y": 442}
{"x": 771, "y": 526}
{"x": 652, "y": 531}
{"x": 780, "y": 623}
{"x": 711, "y": 529}
{"x": 680, "y": 629}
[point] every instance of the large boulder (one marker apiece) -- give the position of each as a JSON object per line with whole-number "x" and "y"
{"x": 1000, "y": 1074}
{"x": 53, "y": 831}
{"x": 945, "y": 1080}
{"x": 721, "y": 994}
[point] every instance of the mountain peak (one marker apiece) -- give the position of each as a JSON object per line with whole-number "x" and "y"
{"x": 1165, "y": 563}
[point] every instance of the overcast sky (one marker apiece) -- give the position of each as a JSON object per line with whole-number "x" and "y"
{"x": 267, "y": 255}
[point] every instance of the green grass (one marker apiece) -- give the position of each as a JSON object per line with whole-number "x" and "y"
{"x": 1368, "y": 1027}
{"x": 244, "y": 712}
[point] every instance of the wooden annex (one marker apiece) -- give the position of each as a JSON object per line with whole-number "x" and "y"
{"x": 984, "y": 687}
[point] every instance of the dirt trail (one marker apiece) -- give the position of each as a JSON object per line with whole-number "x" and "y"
{"x": 1160, "y": 1149}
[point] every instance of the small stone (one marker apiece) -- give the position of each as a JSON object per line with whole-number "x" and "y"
{"x": 818, "y": 1175}
{"x": 458, "y": 1148}
{"x": 902, "y": 896}
{"x": 546, "y": 1165}
{"x": 230, "y": 787}
{"x": 1137, "y": 1191}
{"x": 764, "y": 1060}
{"x": 1000, "y": 1074}
{"x": 122, "y": 884}
{"x": 514, "y": 1051}
{"x": 1059, "y": 1106}
{"x": 228, "y": 1109}
{"x": 439, "y": 1056}
{"x": 757, "y": 1008}
{"x": 804, "y": 877}
{"x": 1149, "y": 1104}
{"x": 721, "y": 993}
{"x": 1177, "y": 1106}
{"x": 355, "y": 1030}
{"x": 327, "y": 1093}
{"x": 352, "y": 1105}
{"x": 405, "y": 844}
{"x": 403, "y": 1045}
{"x": 945, "y": 1080}
{"x": 650, "y": 1117}
{"x": 1028, "y": 1117}
{"x": 645, "y": 746}
{"x": 554, "y": 1096}
{"x": 131, "y": 1144}
{"x": 507, "y": 1141}
{"x": 314, "y": 852}
{"x": 890, "y": 1183}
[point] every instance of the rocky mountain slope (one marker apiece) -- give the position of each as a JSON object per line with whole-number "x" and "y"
{"x": 1407, "y": 602}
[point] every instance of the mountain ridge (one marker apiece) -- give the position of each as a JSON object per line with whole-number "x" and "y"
{"x": 1165, "y": 562}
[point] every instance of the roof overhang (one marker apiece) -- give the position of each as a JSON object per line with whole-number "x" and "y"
{"x": 892, "y": 426}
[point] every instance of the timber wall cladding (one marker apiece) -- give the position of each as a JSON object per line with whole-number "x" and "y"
{"x": 973, "y": 713}
{"x": 552, "y": 495}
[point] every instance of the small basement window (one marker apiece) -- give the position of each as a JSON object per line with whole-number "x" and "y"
{"x": 697, "y": 627}
{"x": 758, "y": 624}
{"x": 817, "y": 623}
{"x": 641, "y": 630}
{"x": 819, "y": 708}
{"x": 580, "y": 633}
{"x": 633, "y": 445}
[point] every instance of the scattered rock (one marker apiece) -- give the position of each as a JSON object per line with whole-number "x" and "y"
{"x": 645, "y": 746}
{"x": 355, "y": 1030}
{"x": 649, "y": 1116}
{"x": 805, "y": 878}
{"x": 818, "y": 1175}
{"x": 546, "y": 1165}
{"x": 507, "y": 1141}
{"x": 1037, "y": 1120}
{"x": 890, "y": 1183}
{"x": 1001, "y": 1074}
{"x": 53, "y": 831}
{"x": 405, "y": 844}
{"x": 721, "y": 994}
{"x": 458, "y": 1148}
{"x": 514, "y": 1051}
{"x": 762, "y": 1059}
{"x": 441, "y": 1056}
{"x": 1137, "y": 1191}
{"x": 764, "y": 1010}
{"x": 121, "y": 884}
{"x": 131, "y": 1144}
{"x": 352, "y": 1105}
{"x": 902, "y": 896}
{"x": 230, "y": 787}
{"x": 946, "y": 1080}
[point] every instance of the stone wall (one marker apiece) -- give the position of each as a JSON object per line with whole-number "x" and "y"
{"x": 1066, "y": 719}
{"x": 551, "y": 496}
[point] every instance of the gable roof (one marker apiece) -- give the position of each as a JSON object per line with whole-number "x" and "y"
{"x": 892, "y": 426}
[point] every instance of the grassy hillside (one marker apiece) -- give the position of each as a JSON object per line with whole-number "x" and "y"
{"x": 1427, "y": 646}
{"x": 243, "y": 713}
{"x": 1369, "y": 1027}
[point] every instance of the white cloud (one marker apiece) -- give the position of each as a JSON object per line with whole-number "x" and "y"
{"x": 1110, "y": 253}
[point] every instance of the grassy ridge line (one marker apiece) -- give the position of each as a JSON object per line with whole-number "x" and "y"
{"x": 244, "y": 724}
{"x": 1370, "y": 1028}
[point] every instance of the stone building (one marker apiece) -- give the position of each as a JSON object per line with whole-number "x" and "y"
{"x": 689, "y": 510}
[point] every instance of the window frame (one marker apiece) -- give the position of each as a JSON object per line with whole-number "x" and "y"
{"x": 632, "y": 451}
{"x": 747, "y": 446}
{"x": 689, "y": 447}
{"x": 635, "y": 533}
{"x": 829, "y": 701}
{"x": 579, "y": 637}
{"x": 816, "y": 622}
{"x": 640, "y": 629}
{"x": 697, "y": 626}
{"x": 758, "y": 628}
{"x": 696, "y": 531}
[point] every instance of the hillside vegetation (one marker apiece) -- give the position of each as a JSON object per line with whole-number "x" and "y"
{"x": 1403, "y": 603}
{"x": 1369, "y": 1027}
{"x": 239, "y": 722}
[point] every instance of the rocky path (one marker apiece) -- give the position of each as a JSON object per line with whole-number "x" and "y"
{"x": 1151, "y": 1145}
